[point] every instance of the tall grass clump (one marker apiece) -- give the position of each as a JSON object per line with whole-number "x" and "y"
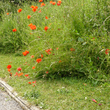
{"x": 76, "y": 41}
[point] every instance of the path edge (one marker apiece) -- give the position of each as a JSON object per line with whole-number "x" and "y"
{"x": 23, "y": 103}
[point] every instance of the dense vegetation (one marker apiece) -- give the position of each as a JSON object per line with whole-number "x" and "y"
{"x": 75, "y": 41}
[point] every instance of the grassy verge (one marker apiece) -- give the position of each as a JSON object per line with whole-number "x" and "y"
{"x": 62, "y": 94}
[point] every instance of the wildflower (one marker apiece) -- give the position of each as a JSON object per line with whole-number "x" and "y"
{"x": 39, "y": 11}
{"x": 32, "y": 6}
{"x": 45, "y": 28}
{"x": 47, "y": 72}
{"x": 38, "y": 60}
{"x": 34, "y": 9}
{"x": 33, "y": 27}
{"x": 100, "y": 104}
{"x": 30, "y": 24}
{"x": 9, "y": 70}
{"x": 42, "y": 4}
{"x": 46, "y": 17}
{"x": 59, "y": 1}
{"x": 33, "y": 67}
{"x": 19, "y": 69}
{"x": 107, "y": 51}
{"x": 53, "y": 3}
{"x": 10, "y": 74}
{"x": 94, "y": 100}
{"x": 26, "y": 75}
{"x": 48, "y": 51}
{"x": 9, "y": 66}
{"x": 58, "y": 4}
{"x": 14, "y": 30}
{"x": 25, "y": 53}
{"x": 28, "y": 17}
{"x": 40, "y": 0}
{"x": 20, "y": 74}
{"x": 60, "y": 61}
{"x": 72, "y": 49}
{"x": 29, "y": 82}
{"x": 32, "y": 56}
{"x": 7, "y": 13}
{"x": 34, "y": 82}
{"x": 41, "y": 56}
{"x": 16, "y": 74}
{"x": 57, "y": 48}
{"x": 19, "y": 10}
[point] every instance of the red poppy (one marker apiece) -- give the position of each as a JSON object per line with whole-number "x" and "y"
{"x": 48, "y": 51}
{"x": 58, "y": 4}
{"x": 19, "y": 69}
{"x": 41, "y": 56}
{"x": 33, "y": 27}
{"x": 9, "y": 66}
{"x": 40, "y": 0}
{"x": 72, "y": 49}
{"x": 7, "y": 13}
{"x": 59, "y": 1}
{"x": 25, "y": 53}
{"x": 34, "y": 82}
{"x": 39, "y": 11}
{"x": 32, "y": 6}
{"x": 107, "y": 51}
{"x": 53, "y": 3}
{"x": 19, "y": 10}
{"x": 32, "y": 56}
{"x": 42, "y": 4}
{"x": 46, "y": 17}
{"x": 46, "y": 28}
{"x": 14, "y": 30}
{"x": 30, "y": 24}
{"x": 28, "y": 17}
{"x": 26, "y": 75}
{"x": 29, "y": 82}
{"x": 38, "y": 60}
{"x": 34, "y": 9}
{"x": 33, "y": 67}
{"x": 47, "y": 72}
{"x": 20, "y": 74}
{"x": 9, "y": 70}
{"x": 60, "y": 61}
{"x": 16, "y": 74}
{"x": 94, "y": 100}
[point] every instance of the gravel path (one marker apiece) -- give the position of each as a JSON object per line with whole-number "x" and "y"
{"x": 7, "y": 103}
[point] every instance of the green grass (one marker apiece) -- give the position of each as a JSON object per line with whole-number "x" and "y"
{"x": 61, "y": 94}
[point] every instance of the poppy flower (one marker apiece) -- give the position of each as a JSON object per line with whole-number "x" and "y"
{"x": 19, "y": 69}
{"x": 10, "y": 74}
{"x": 38, "y": 60}
{"x": 45, "y": 28}
{"x": 28, "y": 17}
{"x": 7, "y": 13}
{"x": 19, "y": 10}
{"x": 107, "y": 51}
{"x": 16, "y": 74}
{"x": 9, "y": 70}
{"x": 58, "y": 4}
{"x": 60, "y": 61}
{"x": 26, "y": 75}
{"x": 33, "y": 27}
{"x": 14, "y": 30}
{"x": 29, "y": 82}
{"x": 53, "y": 3}
{"x": 34, "y": 82}
{"x": 41, "y": 56}
{"x": 25, "y": 53}
{"x": 40, "y": 0}
{"x": 72, "y": 49}
{"x": 20, "y": 74}
{"x": 33, "y": 67}
{"x": 34, "y": 9}
{"x": 32, "y": 6}
{"x": 48, "y": 51}
{"x": 32, "y": 56}
{"x": 42, "y": 4}
{"x": 30, "y": 24}
{"x": 39, "y": 11}
{"x": 47, "y": 72}
{"x": 46, "y": 17}
{"x": 94, "y": 100}
{"x": 57, "y": 48}
{"x": 9, "y": 66}
{"x": 59, "y": 1}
